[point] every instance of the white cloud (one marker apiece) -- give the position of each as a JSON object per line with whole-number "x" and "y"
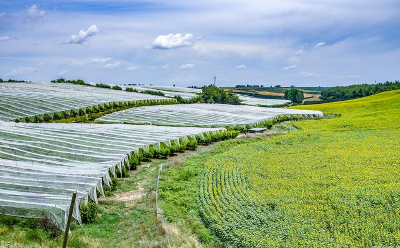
{"x": 289, "y": 67}
{"x": 111, "y": 65}
{"x": 132, "y": 68}
{"x": 320, "y": 44}
{"x": 3, "y": 38}
{"x": 171, "y": 41}
{"x": 99, "y": 60}
{"x": 22, "y": 70}
{"x": 240, "y": 67}
{"x": 306, "y": 74}
{"x": 165, "y": 67}
{"x": 353, "y": 76}
{"x": 2, "y": 14}
{"x": 187, "y": 66}
{"x": 84, "y": 35}
{"x": 34, "y": 12}
{"x": 62, "y": 73}
{"x": 350, "y": 76}
{"x": 300, "y": 52}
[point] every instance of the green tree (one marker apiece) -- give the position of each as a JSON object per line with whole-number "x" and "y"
{"x": 213, "y": 94}
{"x": 294, "y": 95}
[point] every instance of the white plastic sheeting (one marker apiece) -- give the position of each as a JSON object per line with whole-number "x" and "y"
{"x": 261, "y": 101}
{"x": 205, "y": 115}
{"x": 169, "y": 91}
{"x": 19, "y": 100}
{"x": 42, "y": 164}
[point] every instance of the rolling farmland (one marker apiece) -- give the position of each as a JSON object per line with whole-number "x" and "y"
{"x": 204, "y": 115}
{"x": 332, "y": 183}
{"x": 20, "y": 100}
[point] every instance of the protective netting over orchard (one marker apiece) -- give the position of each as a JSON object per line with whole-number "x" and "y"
{"x": 262, "y": 101}
{"x": 19, "y": 100}
{"x": 205, "y": 115}
{"x": 169, "y": 91}
{"x": 41, "y": 165}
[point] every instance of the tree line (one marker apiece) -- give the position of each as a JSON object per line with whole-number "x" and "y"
{"x": 358, "y": 90}
{"x": 12, "y": 81}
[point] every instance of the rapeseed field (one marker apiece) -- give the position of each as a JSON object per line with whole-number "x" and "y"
{"x": 332, "y": 183}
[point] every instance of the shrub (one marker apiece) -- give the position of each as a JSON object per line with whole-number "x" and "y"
{"x": 73, "y": 113}
{"x": 89, "y": 212}
{"x": 64, "y": 115}
{"x": 192, "y": 144}
{"x": 133, "y": 161}
{"x": 37, "y": 119}
{"x": 81, "y": 112}
{"x": 56, "y": 116}
{"x": 183, "y": 143}
{"x": 9, "y": 220}
{"x": 46, "y": 117}
{"x": 129, "y": 89}
{"x": 164, "y": 150}
{"x": 124, "y": 172}
{"x": 174, "y": 147}
{"x": 116, "y": 87}
{"x": 49, "y": 228}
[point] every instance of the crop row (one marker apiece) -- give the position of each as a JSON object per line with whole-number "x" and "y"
{"x": 92, "y": 110}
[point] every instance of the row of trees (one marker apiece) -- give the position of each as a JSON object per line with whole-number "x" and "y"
{"x": 358, "y": 90}
{"x": 11, "y": 81}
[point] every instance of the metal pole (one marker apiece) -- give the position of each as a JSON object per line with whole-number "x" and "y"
{"x": 71, "y": 209}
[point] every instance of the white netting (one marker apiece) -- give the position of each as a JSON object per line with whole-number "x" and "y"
{"x": 41, "y": 165}
{"x": 169, "y": 91}
{"x": 19, "y": 100}
{"x": 261, "y": 101}
{"x": 205, "y": 115}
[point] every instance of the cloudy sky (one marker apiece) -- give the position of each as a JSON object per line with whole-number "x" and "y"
{"x": 288, "y": 42}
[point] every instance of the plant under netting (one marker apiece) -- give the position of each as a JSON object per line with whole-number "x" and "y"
{"x": 41, "y": 165}
{"x": 204, "y": 115}
{"x": 20, "y": 100}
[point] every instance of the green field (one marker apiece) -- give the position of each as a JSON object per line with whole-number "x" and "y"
{"x": 332, "y": 183}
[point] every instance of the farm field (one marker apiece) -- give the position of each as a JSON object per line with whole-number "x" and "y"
{"x": 261, "y": 101}
{"x": 19, "y": 100}
{"x": 42, "y": 164}
{"x": 311, "y": 94}
{"x": 202, "y": 115}
{"x": 185, "y": 93}
{"x": 331, "y": 183}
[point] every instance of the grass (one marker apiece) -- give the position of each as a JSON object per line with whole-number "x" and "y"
{"x": 121, "y": 223}
{"x": 332, "y": 183}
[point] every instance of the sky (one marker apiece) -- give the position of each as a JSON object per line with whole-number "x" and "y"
{"x": 263, "y": 42}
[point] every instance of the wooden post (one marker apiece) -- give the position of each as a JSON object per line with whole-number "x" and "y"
{"x": 71, "y": 209}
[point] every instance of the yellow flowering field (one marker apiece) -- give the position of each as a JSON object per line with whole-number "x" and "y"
{"x": 332, "y": 183}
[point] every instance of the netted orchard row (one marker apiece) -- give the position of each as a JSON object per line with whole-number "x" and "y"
{"x": 92, "y": 112}
{"x": 203, "y": 115}
{"x": 42, "y": 164}
{"x": 19, "y": 100}
{"x": 166, "y": 91}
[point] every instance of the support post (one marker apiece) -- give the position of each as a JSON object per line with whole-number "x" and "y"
{"x": 71, "y": 209}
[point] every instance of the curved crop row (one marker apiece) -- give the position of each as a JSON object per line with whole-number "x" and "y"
{"x": 332, "y": 183}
